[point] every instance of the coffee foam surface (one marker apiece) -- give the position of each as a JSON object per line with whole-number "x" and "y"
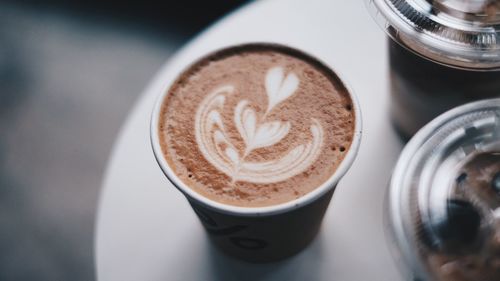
{"x": 256, "y": 126}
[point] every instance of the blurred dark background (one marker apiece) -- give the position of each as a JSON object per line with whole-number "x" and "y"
{"x": 69, "y": 73}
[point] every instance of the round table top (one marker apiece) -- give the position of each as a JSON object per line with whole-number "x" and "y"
{"x": 145, "y": 228}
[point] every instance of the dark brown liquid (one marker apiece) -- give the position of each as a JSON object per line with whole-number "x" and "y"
{"x": 422, "y": 89}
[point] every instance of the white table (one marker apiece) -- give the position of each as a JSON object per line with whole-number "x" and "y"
{"x": 146, "y": 229}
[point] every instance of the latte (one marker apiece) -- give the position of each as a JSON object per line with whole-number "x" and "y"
{"x": 256, "y": 125}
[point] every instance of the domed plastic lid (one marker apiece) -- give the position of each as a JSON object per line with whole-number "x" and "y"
{"x": 459, "y": 33}
{"x": 444, "y": 198}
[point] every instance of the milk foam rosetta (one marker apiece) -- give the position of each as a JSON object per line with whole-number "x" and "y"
{"x": 256, "y": 132}
{"x": 256, "y": 126}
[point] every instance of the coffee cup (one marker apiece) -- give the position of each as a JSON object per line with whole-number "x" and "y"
{"x": 256, "y": 137}
{"x": 443, "y": 201}
{"x": 442, "y": 54}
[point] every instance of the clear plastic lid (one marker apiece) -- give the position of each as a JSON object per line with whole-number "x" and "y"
{"x": 459, "y": 33}
{"x": 444, "y": 198}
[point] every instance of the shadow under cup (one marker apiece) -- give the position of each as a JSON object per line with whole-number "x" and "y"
{"x": 262, "y": 234}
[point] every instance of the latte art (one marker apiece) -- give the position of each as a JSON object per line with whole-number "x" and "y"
{"x": 256, "y": 125}
{"x": 256, "y": 132}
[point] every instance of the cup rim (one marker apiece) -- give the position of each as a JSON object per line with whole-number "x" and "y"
{"x": 309, "y": 197}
